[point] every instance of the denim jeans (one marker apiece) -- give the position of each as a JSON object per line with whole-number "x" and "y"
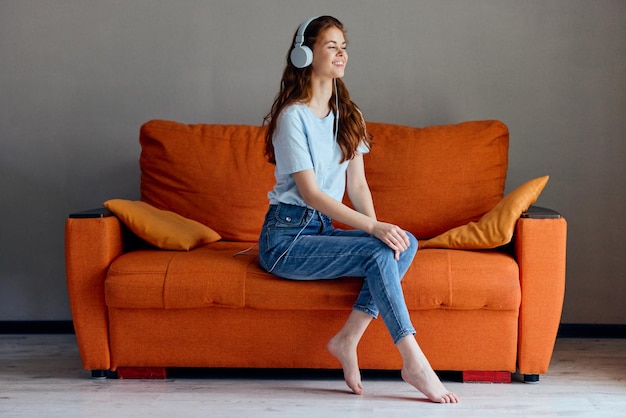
{"x": 299, "y": 243}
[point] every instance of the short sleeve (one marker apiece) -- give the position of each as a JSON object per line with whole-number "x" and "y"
{"x": 362, "y": 148}
{"x": 291, "y": 146}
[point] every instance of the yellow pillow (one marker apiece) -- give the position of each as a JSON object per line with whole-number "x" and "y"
{"x": 161, "y": 228}
{"x": 496, "y": 227}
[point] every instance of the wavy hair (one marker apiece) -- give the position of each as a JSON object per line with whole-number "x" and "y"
{"x": 296, "y": 87}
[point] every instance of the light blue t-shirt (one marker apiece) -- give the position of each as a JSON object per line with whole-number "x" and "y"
{"x": 303, "y": 141}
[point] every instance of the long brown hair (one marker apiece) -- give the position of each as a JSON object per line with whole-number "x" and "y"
{"x": 296, "y": 87}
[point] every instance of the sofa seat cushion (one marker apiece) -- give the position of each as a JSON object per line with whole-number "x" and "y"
{"x": 207, "y": 276}
{"x": 212, "y": 276}
{"x": 451, "y": 279}
{"x": 459, "y": 279}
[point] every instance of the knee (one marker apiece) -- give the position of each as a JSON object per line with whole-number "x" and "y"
{"x": 414, "y": 244}
{"x": 382, "y": 257}
{"x": 407, "y": 256}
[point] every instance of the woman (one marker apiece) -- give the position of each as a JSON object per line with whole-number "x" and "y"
{"x": 316, "y": 137}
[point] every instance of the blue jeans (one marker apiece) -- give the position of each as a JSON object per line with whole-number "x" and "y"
{"x": 299, "y": 243}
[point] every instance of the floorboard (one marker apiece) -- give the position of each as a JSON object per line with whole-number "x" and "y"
{"x": 41, "y": 375}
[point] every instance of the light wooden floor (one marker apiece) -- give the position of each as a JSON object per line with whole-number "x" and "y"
{"x": 41, "y": 376}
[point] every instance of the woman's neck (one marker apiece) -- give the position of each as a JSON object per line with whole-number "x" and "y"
{"x": 322, "y": 91}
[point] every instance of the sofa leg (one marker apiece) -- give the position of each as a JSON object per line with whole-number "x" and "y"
{"x": 531, "y": 378}
{"x": 141, "y": 373}
{"x": 98, "y": 374}
{"x": 476, "y": 376}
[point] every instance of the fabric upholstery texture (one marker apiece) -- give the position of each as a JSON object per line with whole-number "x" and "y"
{"x": 161, "y": 228}
{"x": 90, "y": 247}
{"x": 260, "y": 338}
{"x": 428, "y": 180}
{"x": 540, "y": 250}
{"x": 496, "y": 227}
{"x": 207, "y": 276}
{"x": 214, "y": 174}
{"x": 167, "y": 280}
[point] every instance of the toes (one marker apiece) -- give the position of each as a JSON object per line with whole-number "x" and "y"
{"x": 450, "y": 398}
{"x": 357, "y": 388}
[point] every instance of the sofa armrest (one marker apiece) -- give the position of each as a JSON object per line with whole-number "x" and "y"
{"x": 93, "y": 239}
{"x": 540, "y": 250}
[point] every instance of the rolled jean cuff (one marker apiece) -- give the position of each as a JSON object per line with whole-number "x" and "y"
{"x": 365, "y": 310}
{"x": 402, "y": 334}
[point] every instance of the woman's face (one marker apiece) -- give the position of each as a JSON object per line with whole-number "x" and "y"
{"x": 329, "y": 54}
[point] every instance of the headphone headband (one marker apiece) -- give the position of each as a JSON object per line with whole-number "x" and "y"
{"x": 301, "y": 55}
{"x": 301, "y": 29}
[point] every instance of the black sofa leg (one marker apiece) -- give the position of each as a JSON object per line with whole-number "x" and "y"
{"x": 98, "y": 374}
{"x": 531, "y": 378}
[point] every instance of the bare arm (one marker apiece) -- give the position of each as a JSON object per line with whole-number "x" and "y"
{"x": 364, "y": 218}
{"x": 358, "y": 189}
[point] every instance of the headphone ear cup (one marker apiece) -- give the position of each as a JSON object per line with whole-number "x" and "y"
{"x": 301, "y": 56}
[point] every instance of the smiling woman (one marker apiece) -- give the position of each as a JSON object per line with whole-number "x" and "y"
{"x": 329, "y": 56}
{"x": 316, "y": 138}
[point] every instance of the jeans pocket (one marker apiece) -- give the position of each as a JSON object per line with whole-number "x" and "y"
{"x": 290, "y": 216}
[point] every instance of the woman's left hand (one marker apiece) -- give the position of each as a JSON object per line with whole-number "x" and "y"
{"x": 392, "y": 235}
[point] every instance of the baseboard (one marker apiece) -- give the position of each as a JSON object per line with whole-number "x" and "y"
{"x": 36, "y": 327}
{"x": 67, "y": 327}
{"x": 592, "y": 331}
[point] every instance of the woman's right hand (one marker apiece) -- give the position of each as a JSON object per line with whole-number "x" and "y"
{"x": 392, "y": 235}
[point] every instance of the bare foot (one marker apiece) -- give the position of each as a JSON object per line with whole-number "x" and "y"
{"x": 416, "y": 370}
{"x": 345, "y": 352}
{"x": 424, "y": 379}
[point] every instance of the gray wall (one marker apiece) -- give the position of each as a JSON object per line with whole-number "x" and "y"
{"x": 77, "y": 79}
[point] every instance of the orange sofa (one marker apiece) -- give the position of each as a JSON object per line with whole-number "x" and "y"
{"x": 484, "y": 310}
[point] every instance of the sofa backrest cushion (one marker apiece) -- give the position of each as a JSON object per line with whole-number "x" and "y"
{"x": 214, "y": 174}
{"x": 429, "y": 180}
{"x": 426, "y": 180}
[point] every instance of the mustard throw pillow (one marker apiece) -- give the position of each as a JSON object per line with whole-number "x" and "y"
{"x": 496, "y": 227}
{"x": 161, "y": 228}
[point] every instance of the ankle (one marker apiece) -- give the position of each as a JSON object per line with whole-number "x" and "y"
{"x": 412, "y": 355}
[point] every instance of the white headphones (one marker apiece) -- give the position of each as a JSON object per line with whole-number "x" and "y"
{"x": 301, "y": 55}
